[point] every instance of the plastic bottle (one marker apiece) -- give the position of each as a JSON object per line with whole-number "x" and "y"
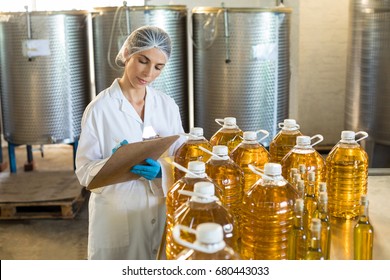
{"x": 314, "y": 251}
{"x": 250, "y": 151}
{"x": 347, "y": 175}
{"x": 267, "y": 216}
{"x": 310, "y": 200}
{"x": 363, "y": 233}
{"x": 322, "y": 214}
{"x": 189, "y": 150}
{"x": 230, "y": 177}
{"x": 304, "y": 157}
{"x": 297, "y": 239}
{"x": 197, "y": 173}
{"x": 229, "y": 134}
{"x": 204, "y": 207}
{"x": 284, "y": 140}
{"x": 208, "y": 245}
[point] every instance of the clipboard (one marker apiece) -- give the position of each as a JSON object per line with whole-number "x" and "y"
{"x": 117, "y": 168}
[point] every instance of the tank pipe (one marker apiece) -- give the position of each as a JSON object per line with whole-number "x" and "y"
{"x": 127, "y": 17}
{"x": 226, "y": 18}
{"x": 29, "y": 33}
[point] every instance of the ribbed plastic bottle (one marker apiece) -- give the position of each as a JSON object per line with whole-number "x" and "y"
{"x": 208, "y": 245}
{"x": 197, "y": 173}
{"x": 363, "y": 233}
{"x": 304, "y": 156}
{"x": 297, "y": 239}
{"x": 314, "y": 251}
{"x": 310, "y": 200}
{"x": 267, "y": 216}
{"x": 229, "y": 134}
{"x": 347, "y": 175}
{"x": 322, "y": 214}
{"x": 250, "y": 151}
{"x": 204, "y": 207}
{"x": 189, "y": 150}
{"x": 284, "y": 140}
{"x": 230, "y": 177}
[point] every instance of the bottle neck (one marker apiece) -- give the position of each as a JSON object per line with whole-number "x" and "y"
{"x": 310, "y": 189}
{"x": 298, "y": 220}
{"x": 363, "y": 213}
{"x": 315, "y": 241}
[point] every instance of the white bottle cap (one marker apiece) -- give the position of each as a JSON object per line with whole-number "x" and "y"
{"x": 303, "y": 140}
{"x": 299, "y": 204}
{"x": 207, "y": 188}
{"x": 290, "y": 123}
{"x": 250, "y": 136}
{"x": 229, "y": 121}
{"x": 197, "y": 131}
{"x": 209, "y": 233}
{"x": 347, "y": 135}
{"x": 322, "y": 186}
{"x": 220, "y": 150}
{"x": 324, "y": 196}
{"x": 315, "y": 224}
{"x": 273, "y": 169}
{"x": 197, "y": 167}
{"x": 311, "y": 176}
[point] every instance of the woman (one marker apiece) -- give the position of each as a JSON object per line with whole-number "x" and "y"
{"x": 126, "y": 220}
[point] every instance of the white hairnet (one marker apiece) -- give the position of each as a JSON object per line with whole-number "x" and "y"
{"x": 142, "y": 39}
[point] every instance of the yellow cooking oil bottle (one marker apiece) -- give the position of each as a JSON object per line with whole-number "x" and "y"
{"x": 196, "y": 172}
{"x": 230, "y": 177}
{"x": 208, "y": 244}
{"x": 322, "y": 214}
{"x": 284, "y": 140}
{"x": 189, "y": 150}
{"x": 310, "y": 200}
{"x": 363, "y": 233}
{"x": 203, "y": 207}
{"x": 347, "y": 175}
{"x": 314, "y": 251}
{"x": 297, "y": 238}
{"x": 267, "y": 216}
{"x": 305, "y": 158}
{"x": 228, "y": 135}
{"x": 250, "y": 151}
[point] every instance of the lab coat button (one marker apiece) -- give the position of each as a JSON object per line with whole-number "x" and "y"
{"x": 153, "y": 221}
{"x": 154, "y": 251}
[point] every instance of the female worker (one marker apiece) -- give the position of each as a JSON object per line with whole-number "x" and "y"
{"x": 126, "y": 220}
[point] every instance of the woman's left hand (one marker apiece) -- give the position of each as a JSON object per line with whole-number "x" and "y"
{"x": 150, "y": 171}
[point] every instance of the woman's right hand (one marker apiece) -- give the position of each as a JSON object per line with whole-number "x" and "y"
{"x": 124, "y": 142}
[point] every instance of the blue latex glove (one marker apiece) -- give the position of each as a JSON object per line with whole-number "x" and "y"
{"x": 150, "y": 171}
{"x": 124, "y": 142}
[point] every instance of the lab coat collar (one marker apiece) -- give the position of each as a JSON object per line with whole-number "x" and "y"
{"x": 126, "y": 107}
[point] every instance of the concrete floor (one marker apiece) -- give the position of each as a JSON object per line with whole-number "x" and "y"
{"x": 44, "y": 239}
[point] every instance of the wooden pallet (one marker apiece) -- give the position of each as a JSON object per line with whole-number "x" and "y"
{"x": 60, "y": 209}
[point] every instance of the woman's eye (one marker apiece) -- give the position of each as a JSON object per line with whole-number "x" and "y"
{"x": 158, "y": 68}
{"x": 143, "y": 61}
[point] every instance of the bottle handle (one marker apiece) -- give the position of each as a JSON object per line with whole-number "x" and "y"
{"x": 202, "y": 195}
{"x": 219, "y": 121}
{"x": 209, "y": 250}
{"x": 265, "y": 132}
{"x": 209, "y": 152}
{"x": 190, "y": 135}
{"x": 182, "y": 168}
{"x": 365, "y": 135}
{"x": 281, "y": 125}
{"x": 320, "y": 139}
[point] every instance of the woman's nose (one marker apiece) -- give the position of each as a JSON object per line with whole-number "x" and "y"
{"x": 147, "y": 71}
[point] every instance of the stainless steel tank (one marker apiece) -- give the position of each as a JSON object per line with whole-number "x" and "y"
{"x": 112, "y": 25}
{"x": 368, "y": 70}
{"x": 44, "y": 76}
{"x": 241, "y": 67}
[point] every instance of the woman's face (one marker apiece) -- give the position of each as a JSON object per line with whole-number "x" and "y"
{"x": 144, "y": 67}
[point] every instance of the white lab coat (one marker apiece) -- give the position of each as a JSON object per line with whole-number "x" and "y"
{"x": 126, "y": 220}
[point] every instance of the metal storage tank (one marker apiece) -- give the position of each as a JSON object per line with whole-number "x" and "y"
{"x": 368, "y": 69}
{"x": 112, "y": 25}
{"x": 241, "y": 67}
{"x": 44, "y": 76}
